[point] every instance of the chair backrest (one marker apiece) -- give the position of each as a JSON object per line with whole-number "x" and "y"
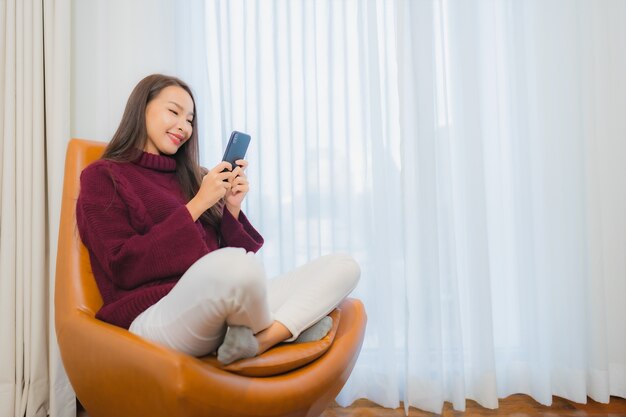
{"x": 75, "y": 287}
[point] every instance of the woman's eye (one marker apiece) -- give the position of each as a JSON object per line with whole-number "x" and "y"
{"x": 190, "y": 122}
{"x": 175, "y": 112}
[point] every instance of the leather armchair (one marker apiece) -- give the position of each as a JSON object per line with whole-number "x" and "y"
{"x": 116, "y": 373}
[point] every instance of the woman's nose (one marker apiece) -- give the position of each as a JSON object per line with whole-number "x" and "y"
{"x": 185, "y": 129}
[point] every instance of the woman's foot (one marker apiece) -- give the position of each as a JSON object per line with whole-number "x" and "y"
{"x": 239, "y": 343}
{"x": 316, "y": 332}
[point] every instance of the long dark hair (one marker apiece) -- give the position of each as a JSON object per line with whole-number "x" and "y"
{"x": 130, "y": 139}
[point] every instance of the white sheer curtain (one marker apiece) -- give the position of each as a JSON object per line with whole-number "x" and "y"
{"x": 34, "y": 125}
{"x": 513, "y": 148}
{"x": 468, "y": 155}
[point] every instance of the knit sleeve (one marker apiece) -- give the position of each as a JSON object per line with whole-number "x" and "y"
{"x": 239, "y": 232}
{"x": 130, "y": 257}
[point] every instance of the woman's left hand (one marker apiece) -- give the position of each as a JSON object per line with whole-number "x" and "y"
{"x": 238, "y": 189}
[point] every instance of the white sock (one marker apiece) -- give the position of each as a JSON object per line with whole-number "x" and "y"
{"x": 316, "y": 332}
{"x": 239, "y": 343}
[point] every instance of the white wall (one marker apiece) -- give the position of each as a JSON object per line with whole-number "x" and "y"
{"x": 110, "y": 54}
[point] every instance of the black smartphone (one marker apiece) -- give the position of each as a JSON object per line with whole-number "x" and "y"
{"x": 236, "y": 148}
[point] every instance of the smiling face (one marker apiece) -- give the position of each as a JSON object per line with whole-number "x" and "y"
{"x": 169, "y": 118}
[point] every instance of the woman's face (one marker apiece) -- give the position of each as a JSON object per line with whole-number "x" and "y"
{"x": 168, "y": 121}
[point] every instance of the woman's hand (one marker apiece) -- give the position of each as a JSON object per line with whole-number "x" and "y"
{"x": 215, "y": 184}
{"x": 239, "y": 188}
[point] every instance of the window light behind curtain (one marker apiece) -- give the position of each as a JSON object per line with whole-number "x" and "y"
{"x": 468, "y": 154}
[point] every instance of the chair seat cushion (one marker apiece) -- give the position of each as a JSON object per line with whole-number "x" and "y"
{"x": 283, "y": 357}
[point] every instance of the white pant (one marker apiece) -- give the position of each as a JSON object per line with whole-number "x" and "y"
{"x": 228, "y": 287}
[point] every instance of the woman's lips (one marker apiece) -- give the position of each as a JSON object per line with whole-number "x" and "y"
{"x": 175, "y": 138}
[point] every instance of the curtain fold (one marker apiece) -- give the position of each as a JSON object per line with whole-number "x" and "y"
{"x": 23, "y": 278}
{"x": 34, "y": 111}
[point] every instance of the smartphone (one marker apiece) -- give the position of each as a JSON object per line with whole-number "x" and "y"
{"x": 236, "y": 148}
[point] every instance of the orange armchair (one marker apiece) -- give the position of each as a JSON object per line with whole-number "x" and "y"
{"x": 116, "y": 373}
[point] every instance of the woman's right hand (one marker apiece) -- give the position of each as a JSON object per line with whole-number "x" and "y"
{"x": 213, "y": 187}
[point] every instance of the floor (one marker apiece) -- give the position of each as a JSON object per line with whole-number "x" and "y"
{"x": 513, "y": 406}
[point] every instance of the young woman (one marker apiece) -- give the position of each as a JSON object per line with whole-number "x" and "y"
{"x": 171, "y": 250}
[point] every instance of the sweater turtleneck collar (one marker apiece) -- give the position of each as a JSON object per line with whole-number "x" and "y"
{"x": 156, "y": 162}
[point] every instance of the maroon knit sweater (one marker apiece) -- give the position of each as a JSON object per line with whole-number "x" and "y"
{"x": 140, "y": 236}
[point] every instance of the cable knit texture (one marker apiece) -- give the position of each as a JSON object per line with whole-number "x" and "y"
{"x": 140, "y": 236}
